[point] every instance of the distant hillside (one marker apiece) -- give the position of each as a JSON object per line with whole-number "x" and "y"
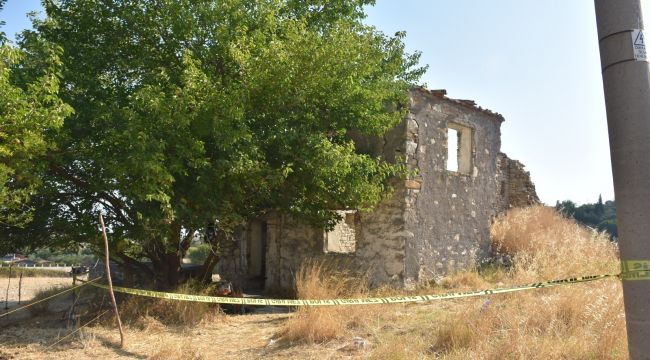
{"x": 601, "y": 216}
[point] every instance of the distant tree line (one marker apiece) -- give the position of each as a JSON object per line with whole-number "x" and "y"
{"x": 601, "y": 216}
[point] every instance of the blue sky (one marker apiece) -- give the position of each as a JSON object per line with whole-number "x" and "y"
{"x": 535, "y": 62}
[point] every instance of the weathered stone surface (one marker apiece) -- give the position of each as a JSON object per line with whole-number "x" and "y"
{"x": 413, "y": 184}
{"x": 450, "y": 215}
{"x": 516, "y": 189}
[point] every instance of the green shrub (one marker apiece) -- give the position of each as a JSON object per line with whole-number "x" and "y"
{"x": 198, "y": 254}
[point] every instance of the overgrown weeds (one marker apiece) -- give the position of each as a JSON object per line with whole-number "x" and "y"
{"x": 584, "y": 321}
{"x": 543, "y": 244}
{"x": 151, "y": 314}
{"x": 327, "y": 280}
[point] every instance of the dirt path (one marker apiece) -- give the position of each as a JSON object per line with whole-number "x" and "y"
{"x": 230, "y": 337}
{"x": 29, "y": 334}
{"x": 252, "y": 336}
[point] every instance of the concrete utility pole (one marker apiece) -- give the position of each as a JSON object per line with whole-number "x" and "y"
{"x": 626, "y": 79}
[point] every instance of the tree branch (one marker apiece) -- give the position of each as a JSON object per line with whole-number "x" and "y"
{"x": 120, "y": 208}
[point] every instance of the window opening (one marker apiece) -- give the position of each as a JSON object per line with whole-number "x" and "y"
{"x": 459, "y": 149}
{"x": 343, "y": 238}
{"x": 452, "y": 149}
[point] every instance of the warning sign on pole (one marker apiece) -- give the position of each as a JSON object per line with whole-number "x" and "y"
{"x": 638, "y": 43}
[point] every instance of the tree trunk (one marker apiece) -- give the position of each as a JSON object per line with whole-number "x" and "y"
{"x": 166, "y": 268}
{"x": 217, "y": 245}
{"x": 208, "y": 267}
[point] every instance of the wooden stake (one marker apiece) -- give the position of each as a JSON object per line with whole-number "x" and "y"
{"x": 20, "y": 286}
{"x": 110, "y": 282}
{"x": 74, "y": 298}
{"x": 8, "y": 283}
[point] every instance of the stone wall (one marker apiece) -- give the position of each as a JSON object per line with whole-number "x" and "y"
{"x": 448, "y": 213}
{"x": 516, "y": 189}
{"x": 379, "y": 248}
{"x": 343, "y": 238}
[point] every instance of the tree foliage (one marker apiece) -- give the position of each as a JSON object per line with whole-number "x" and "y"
{"x": 600, "y": 216}
{"x": 191, "y": 111}
{"x": 30, "y": 112}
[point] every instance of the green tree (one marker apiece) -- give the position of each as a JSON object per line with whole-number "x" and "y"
{"x": 30, "y": 112}
{"x": 193, "y": 112}
{"x": 198, "y": 254}
{"x": 600, "y": 207}
{"x": 566, "y": 207}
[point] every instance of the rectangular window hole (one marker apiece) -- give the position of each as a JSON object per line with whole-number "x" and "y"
{"x": 459, "y": 148}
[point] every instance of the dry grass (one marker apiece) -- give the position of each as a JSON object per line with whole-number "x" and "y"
{"x": 583, "y": 321}
{"x": 544, "y": 244}
{"x": 40, "y": 306}
{"x": 327, "y": 280}
{"x": 153, "y": 314}
{"x": 176, "y": 351}
{"x": 576, "y": 322}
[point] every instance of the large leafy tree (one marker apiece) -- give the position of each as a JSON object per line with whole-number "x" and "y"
{"x": 191, "y": 112}
{"x": 29, "y": 114}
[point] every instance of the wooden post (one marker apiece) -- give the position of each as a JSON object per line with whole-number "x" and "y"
{"x": 74, "y": 298}
{"x": 7, "y": 293}
{"x": 20, "y": 286}
{"x": 110, "y": 282}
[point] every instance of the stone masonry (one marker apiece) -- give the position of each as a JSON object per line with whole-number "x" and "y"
{"x": 516, "y": 189}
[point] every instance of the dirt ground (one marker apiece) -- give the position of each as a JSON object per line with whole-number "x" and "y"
{"x": 238, "y": 337}
{"x": 28, "y": 288}
{"x": 250, "y": 336}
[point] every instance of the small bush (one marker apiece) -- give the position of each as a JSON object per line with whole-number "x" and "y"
{"x": 198, "y": 254}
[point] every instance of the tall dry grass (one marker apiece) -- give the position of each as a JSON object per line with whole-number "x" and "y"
{"x": 584, "y": 321}
{"x": 544, "y": 244}
{"x": 327, "y": 280}
{"x": 153, "y": 314}
{"x": 575, "y": 322}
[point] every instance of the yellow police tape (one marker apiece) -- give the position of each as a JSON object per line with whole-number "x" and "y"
{"x": 635, "y": 269}
{"x": 370, "y": 301}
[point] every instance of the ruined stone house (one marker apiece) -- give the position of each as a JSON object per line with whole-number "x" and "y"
{"x": 436, "y": 221}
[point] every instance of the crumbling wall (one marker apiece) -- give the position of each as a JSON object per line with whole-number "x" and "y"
{"x": 289, "y": 243}
{"x": 448, "y": 213}
{"x": 516, "y": 189}
{"x": 378, "y": 251}
{"x": 382, "y": 241}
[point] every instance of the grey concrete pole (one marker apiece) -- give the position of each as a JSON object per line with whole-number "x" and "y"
{"x": 627, "y": 97}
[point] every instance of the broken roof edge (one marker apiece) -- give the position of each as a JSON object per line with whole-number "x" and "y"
{"x": 470, "y": 104}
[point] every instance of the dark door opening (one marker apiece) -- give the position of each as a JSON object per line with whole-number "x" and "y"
{"x": 257, "y": 250}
